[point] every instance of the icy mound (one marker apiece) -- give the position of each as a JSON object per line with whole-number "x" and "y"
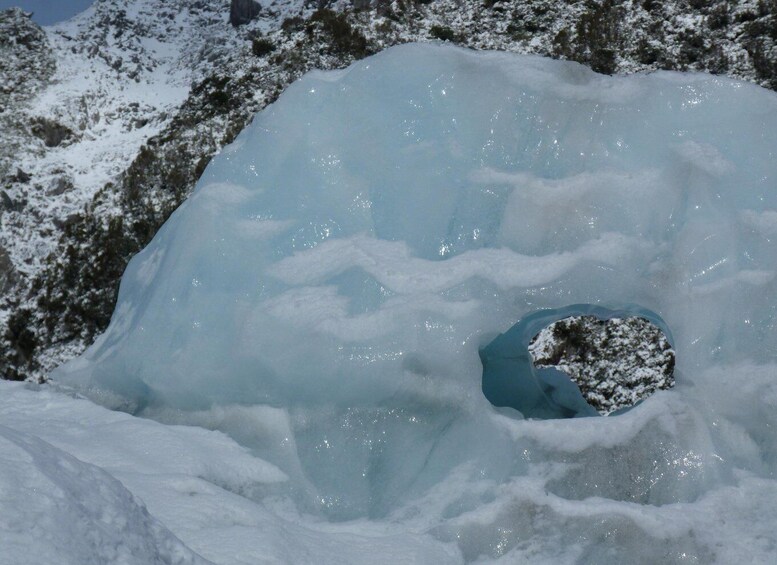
{"x": 345, "y": 259}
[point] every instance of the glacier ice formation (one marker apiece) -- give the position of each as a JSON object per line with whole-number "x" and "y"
{"x": 344, "y": 260}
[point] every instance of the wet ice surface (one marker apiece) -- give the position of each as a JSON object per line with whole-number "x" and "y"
{"x": 323, "y": 295}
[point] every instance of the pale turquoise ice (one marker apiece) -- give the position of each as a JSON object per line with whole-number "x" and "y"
{"x": 343, "y": 261}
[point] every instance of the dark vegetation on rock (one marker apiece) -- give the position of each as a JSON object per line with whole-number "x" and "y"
{"x": 442, "y": 33}
{"x": 70, "y": 301}
{"x": 7, "y": 275}
{"x": 261, "y": 46}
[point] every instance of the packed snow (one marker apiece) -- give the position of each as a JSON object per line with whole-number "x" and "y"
{"x": 319, "y": 303}
{"x": 76, "y": 513}
{"x": 84, "y": 485}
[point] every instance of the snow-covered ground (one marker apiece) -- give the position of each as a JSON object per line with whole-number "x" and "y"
{"x": 80, "y": 485}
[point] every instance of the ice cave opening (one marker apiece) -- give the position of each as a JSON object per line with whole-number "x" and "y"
{"x": 579, "y": 360}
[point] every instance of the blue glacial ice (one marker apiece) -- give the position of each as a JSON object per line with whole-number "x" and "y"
{"x": 340, "y": 265}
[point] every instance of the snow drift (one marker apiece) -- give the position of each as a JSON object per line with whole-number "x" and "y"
{"x": 57, "y": 509}
{"x": 339, "y": 266}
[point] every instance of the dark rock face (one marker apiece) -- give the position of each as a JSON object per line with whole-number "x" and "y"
{"x": 615, "y": 363}
{"x": 50, "y": 132}
{"x": 7, "y": 274}
{"x": 243, "y": 11}
{"x": 20, "y": 177}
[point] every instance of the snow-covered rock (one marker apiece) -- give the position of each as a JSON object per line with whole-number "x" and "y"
{"x": 26, "y": 61}
{"x": 616, "y": 363}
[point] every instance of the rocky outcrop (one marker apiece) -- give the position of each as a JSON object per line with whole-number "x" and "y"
{"x": 25, "y": 57}
{"x": 7, "y": 274}
{"x": 243, "y": 11}
{"x": 52, "y": 134}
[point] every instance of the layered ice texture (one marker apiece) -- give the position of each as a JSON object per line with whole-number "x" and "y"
{"x": 323, "y": 295}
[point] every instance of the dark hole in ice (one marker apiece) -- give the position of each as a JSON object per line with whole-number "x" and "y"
{"x": 580, "y": 360}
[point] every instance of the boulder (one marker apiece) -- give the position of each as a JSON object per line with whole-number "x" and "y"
{"x": 59, "y": 185}
{"x": 21, "y": 177}
{"x": 50, "y": 132}
{"x": 243, "y": 11}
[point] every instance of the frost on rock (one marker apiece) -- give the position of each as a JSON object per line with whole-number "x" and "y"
{"x": 615, "y": 363}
